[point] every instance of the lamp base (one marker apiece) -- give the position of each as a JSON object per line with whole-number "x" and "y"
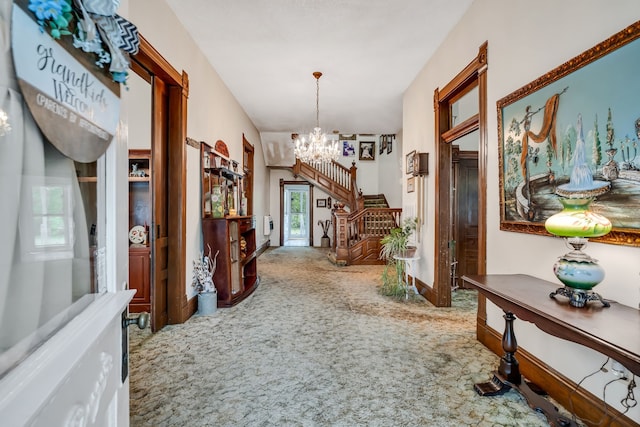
{"x": 578, "y": 297}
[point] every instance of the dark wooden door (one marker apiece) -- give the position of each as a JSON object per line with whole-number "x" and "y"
{"x": 466, "y": 213}
{"x": 159, "y": 231}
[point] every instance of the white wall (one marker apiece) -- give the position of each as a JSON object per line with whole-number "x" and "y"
{"x": 391, "y": 173}
{"x": 213, "y": 114}
{"x": 525, "y": 41}
{"x": 138, "y": 95}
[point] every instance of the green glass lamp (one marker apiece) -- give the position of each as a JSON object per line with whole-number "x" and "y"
{"x": 576, "y": 270}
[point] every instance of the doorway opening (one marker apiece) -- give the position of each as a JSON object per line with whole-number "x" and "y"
{"x": 460, "y": 114}
{"x": 169, "y": 91}
{"x": 464, "y": 243}
{"x": 296, "y": 213}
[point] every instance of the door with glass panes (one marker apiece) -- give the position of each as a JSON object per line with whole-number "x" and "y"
{"x": 296, "y": 215}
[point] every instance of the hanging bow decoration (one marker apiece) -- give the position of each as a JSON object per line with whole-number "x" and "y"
{"x": 99, "y": 30}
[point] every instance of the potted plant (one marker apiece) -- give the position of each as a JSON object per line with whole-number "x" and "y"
{"x": 325, "y": 242}
{"x": 202, "y": 282}
{"x": 396, "y": 244}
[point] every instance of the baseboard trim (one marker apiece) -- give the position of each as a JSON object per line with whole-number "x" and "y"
{"x": 263, "y": 247}
{"x": 586, "y": 406}
{"x": 425, "y": 290}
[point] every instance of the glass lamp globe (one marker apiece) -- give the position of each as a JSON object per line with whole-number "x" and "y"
{"x": 575, "y": 269}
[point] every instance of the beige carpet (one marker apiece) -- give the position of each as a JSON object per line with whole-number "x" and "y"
{"x": 316, "y": 345}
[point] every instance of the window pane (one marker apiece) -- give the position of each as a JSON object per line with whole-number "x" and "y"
{"x": 51, "y": 274}
{"x": 464, "y": 107}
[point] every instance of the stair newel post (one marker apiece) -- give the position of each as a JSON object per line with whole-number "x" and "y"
{"x": 353, "y": 172}
{"x": 334, "y": 223}
{"x": 341, "y": 235}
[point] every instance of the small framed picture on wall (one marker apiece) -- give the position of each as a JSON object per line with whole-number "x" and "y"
{"x": 348, "y": 149}
{"x": 321, "y": 203}
{"x": 367, "y": 150}
{"x": 411, "y": 185}
{"x": 410, "y": 162}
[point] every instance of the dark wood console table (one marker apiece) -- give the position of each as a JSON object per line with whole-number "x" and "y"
{"x": 613, "y": 331}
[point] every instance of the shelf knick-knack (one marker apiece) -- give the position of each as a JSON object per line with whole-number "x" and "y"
{"x": 217, "y": 207}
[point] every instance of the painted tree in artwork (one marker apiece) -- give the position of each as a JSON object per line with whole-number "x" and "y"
{"x": 597, "y": 145}
{"x": 569, "y": 139}
{"x": 512, "y": 151}
{"x": 610, "y": 131}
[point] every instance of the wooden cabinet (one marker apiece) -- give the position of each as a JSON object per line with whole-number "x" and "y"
{"x": 139, "y": 268}
{"x": 225, "y": 228}
{"x": 139, "y": 220}
{"x": 236, "y": 274}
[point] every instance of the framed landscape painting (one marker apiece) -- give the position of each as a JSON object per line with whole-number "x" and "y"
{"x": 575, "y": 130}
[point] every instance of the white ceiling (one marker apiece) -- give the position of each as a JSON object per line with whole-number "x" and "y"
{"x": 369, "y": 51}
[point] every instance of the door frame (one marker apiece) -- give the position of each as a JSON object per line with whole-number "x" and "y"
{"x": 284, "y": 183}
{"x": 247, "y": 165}
{"x": 474, "y": 74}
{"x": 148, "y": 61}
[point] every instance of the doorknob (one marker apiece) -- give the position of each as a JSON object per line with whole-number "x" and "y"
{"x": 142, "y": 320}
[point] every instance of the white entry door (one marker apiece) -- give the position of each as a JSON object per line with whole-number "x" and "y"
{"x": 296, "y": 215}
{"x": 63, "y": 272}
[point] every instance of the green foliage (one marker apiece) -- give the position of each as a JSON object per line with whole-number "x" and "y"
{"x": 391, "y": 287}
{"x": 392, "y": 244}
{"x": 398, "y": 240}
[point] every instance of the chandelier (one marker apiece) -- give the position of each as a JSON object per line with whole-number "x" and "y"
{"x": 317, "y": 148}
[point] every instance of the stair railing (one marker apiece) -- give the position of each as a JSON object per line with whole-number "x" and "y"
{"x": 368, "y": 224}
{"x": 333, "y": 178}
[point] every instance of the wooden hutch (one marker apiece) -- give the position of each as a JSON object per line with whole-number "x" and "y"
{"x": 139, "y": 220}
{"x": 227, "y": 229}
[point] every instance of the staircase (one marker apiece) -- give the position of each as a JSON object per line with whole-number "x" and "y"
{"x": 358, "y": 230}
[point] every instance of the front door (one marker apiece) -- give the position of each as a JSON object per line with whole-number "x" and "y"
{"x": 63, "y": 351}
{"x": 296, "y": 215}
{"x": 63, "y": 250}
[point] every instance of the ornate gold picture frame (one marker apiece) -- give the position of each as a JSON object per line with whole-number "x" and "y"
{"x": 590, "y": 102}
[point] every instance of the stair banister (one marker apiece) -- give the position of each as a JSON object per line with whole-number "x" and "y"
{"x": 333, "y": 178}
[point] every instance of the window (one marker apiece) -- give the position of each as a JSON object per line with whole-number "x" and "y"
{"x": 46, "y": 226}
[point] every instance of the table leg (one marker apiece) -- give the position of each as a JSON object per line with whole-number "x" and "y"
{"x": 508, "y": 376}
{"x": 406, "y": 279}
{"x": 509, "y": 370}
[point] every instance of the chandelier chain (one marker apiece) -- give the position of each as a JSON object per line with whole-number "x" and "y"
{"x": 317, "y": 102}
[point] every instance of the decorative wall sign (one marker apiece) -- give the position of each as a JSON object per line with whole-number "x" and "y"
{"x": 591, "y": 103}
{"x": 76, "y": 111}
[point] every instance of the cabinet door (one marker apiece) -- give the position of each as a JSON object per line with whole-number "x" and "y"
{"x": 139, "y": 270}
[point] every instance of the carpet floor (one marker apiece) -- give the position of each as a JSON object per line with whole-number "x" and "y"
{"x": 317, "y": 345}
